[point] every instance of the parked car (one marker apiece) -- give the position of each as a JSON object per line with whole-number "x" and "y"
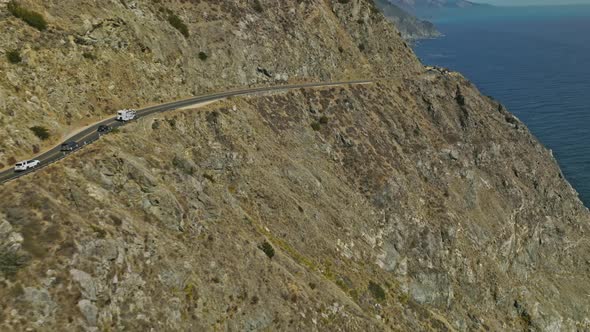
{"x": 25, "y": 165}
{"x": 69, "y": 146}
{"x": 103, "y": 129}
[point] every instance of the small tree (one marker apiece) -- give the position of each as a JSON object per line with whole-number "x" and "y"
{"x": 14, "y": 56}
{"x": 377, "y": 291}
{"x": 203, "y": 56}
{"x": 177, "y": 23}
{"x": 268, "y": 249}
{"x": 10, "y": 262}
{"x": 40, "y": 132}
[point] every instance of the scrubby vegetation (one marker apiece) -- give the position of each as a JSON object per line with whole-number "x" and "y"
{"x": 257, "y": 6}
{"x": 203, "y": 56}
{"x": 14, "y": 56}
{"x": 460, "y": 98}
{"x": 10, "y": 262}
{"x": 268, "y": 249}
{"x": 32, "y": 18}
{"x": 41, "y": 132}
{"x": 209, "y": 177}
{"x": 177, "y": 23}
{"x": 89, "y": 56}
{"x": 377, "y": 291}
{"x": 317, "y": 125}
{"x": 174, "y": 20}
{"x": 524, "y": 315}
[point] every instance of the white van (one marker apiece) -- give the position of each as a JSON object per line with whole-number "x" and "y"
{"x": 25, "y": 165}
{"x": 126, "y": 115}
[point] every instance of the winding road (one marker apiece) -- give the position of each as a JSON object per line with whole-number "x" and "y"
{"x": 90, "y": 134}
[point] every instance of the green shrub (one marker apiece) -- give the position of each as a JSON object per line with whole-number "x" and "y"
{"x": 460, "y": 98}
{"x": 183, "y": 164}
{"x": 89, "y": 56}
{"x": 257, "y": 6}
{"x": 524, "y": 315}
{"x": 41, "y": 132}
{"x": 14, "y": 56}
{"x": 203, "y": 56}
{"x": 171, "y": 122}
{"x": 377, "y": 291}
{"x": 324, "y": 120}
{"x": 10, "y": 262}
{"x": 209, "y": 177}
{"x": 32, "y": 18}
{"x": 316, "y": 126}
{"x": 177, "y": 23}
{"x": 268, "y": 249}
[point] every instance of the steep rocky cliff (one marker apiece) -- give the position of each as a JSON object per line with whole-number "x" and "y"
{"x": 414, "y": 203}
{"x": 408, "y": 25}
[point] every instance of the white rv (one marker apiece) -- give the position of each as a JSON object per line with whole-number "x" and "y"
{"x": 126, "y": 115}
{"x": 25, "y": 165}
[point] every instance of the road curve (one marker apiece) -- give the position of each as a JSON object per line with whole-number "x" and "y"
{"x": 90, "y": 134}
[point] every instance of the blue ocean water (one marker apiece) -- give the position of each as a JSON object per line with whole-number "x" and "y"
{"x": 535, "y": 61}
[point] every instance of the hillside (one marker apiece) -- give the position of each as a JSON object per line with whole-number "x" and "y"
{"x": 92, "y": 60}
{"x": 411, "y": 204}
{"x": 410, "y": 27}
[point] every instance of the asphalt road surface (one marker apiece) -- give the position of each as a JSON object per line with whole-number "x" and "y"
{"x": 90, "y": 134}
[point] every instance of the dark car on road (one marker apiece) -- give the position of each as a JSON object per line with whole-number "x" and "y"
{"x": 103, "y": 129}
{"x": 69, "y": 146}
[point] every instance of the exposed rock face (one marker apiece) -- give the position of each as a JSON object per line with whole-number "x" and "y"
{"x": 414, "y": 204}
{"x": 401, "y": 187}
{"x": 408, "y": 25}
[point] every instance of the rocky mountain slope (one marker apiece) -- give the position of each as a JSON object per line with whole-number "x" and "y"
{"x": 411, "y": 204}
{"x": 94, "y": 59}
{"x": 410, "y": 27}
